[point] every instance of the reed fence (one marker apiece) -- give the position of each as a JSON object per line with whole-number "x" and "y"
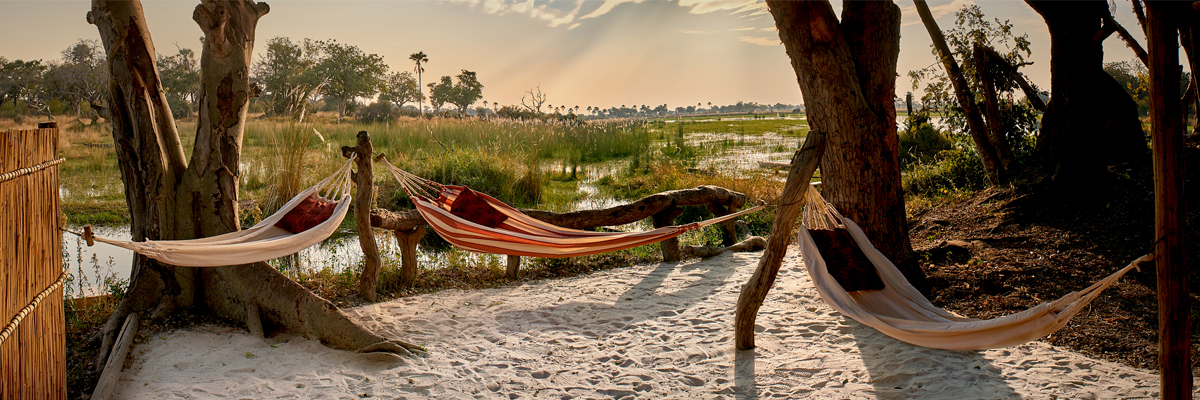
{"x": 32, "y": 341}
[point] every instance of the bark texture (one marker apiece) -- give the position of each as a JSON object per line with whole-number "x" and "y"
{"x": 1090, "y": 122}
{"x": 172, "y": 197}
{"x": 847, "y": 75}
{"x": 1174, "y": 344}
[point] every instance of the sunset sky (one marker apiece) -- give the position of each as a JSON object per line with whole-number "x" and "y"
{"x": 581, "y": 52}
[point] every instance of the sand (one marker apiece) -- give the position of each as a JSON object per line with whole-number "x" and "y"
{"x": 647, "y": 331}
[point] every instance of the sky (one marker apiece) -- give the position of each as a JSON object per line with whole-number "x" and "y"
{"x": 605, "y": 53}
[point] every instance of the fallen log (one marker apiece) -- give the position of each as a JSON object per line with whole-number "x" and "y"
{"x": 663, "y": 207}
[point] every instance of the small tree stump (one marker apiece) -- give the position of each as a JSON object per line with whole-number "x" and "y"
{"x": 408, "y": 240}
{"x": 670, "y": 247}
{"x": 514, "y": 263}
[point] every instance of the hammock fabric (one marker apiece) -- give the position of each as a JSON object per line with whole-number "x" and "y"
{"x": 265, "y": 240}
{"x": 515, "y": 233}
{"x": 900, "y": 311}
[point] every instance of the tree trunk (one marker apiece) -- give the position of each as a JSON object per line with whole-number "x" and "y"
{"x": 1091, "y": 122}
{"x": 847, "y": 75}
{"x": 996, "y": 133}
{"x": 992, "y": 163}
{"x": 1174, "y": 346}
{"x": 173, "y": 198}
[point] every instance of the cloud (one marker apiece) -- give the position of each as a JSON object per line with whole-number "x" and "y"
{"x": 694, "y": 32}
{"x": 556, "y": 14}
{"x": 734, "y": 6}
{"x": 908, "y": 14}
{"x": 748, "y": 28}
{"x": 761, "y": 41}
{"x": 606, "y": 7}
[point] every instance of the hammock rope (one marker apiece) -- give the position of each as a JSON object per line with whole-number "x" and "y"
{"x": 900, "y": 311}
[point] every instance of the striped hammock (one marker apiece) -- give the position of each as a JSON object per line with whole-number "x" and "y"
{"x": 900, "y": 311}
{"x": 520, "y": 234}
{"x": 261, "y": 242}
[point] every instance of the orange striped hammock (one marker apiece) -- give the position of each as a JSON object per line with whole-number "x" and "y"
{"x": 520, "y": 234}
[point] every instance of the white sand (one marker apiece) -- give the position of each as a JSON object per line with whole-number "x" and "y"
{"x": 650, "y": 331}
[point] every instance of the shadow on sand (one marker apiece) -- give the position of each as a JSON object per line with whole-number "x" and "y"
{"x": 899, "y": 370}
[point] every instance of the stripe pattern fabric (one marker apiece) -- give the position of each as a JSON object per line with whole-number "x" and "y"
{"x": 522, "y": 235}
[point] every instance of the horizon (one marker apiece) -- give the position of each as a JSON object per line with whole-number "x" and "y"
{"x": 608, "y": 53}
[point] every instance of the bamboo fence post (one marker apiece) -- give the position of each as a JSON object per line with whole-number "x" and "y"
{"x": 1166, "y": 139}
{"x": 804, "y": 163}
{"x": 32, "y": 333}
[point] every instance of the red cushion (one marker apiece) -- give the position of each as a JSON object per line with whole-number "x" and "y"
{"x": 845, "y": 261}
{"x": 473, "y": 207}
{"x": 309, "y": 213}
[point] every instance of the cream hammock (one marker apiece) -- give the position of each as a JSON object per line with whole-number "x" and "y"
{"x": 900, "y": 311}
{"x": 261, "y": 242}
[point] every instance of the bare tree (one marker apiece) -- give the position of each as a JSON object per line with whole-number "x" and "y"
{"x": 536, "y": 99}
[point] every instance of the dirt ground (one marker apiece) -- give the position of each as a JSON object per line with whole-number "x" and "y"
{"x": 1000, "y": 251}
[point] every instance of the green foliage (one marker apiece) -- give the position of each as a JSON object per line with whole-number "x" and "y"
{"x": 180, "y": 77}
{"x": 461, "y": 93}
{"x": 349, "y": 72}
{"x": 399, "y": 89}
{"x": 920, "y": 141}
{"x": 375, "y": 112}
{"x": 971, "y": 29}
{"x": 952, "y": 171}
{"x": 286, "y": 72}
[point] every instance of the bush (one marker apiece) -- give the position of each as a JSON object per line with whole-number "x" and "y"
{"x": 956, "y": 169}
{"x": 376, "y": 112}
{"x": 920, "y": 142}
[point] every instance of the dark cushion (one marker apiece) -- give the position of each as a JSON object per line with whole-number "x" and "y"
{"x": 309, "y": 213}
{"x": 473, "y": 207}
{"x": 845, "y": 261}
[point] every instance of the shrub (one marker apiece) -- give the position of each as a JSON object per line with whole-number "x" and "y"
{"x": 956, "y": 169}
{"x": 376, "y": 112}
{"x": 920, "y": 141}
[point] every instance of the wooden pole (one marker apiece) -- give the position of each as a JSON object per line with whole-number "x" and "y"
{"x": 804, "y": 163}
{"x": 1166, "y": 139}
{"x": 364, "y": 178}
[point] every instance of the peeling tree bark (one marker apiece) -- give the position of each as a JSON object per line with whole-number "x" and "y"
{"x": 171, "y": 197}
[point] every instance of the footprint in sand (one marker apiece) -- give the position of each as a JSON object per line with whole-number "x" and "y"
{"x": 540, "y": 374}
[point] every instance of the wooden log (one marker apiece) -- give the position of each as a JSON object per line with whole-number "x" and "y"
{"x": 590, "y": 219}
{"x": 804, "y": 164}
{"x": 514, "y": 264}
{"x": 1166, "y": 138}
{"x": 670, "y": 247}
{"x": 364, "y": 178}
{"x": 116, "y": 360}
{"x": 408, "y": 240}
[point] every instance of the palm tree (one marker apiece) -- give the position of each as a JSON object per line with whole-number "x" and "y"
{"x": 419, "y": 57}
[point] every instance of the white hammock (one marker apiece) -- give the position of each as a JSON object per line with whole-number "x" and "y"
{"x": 900, "y": 311}
{"x": 261, "y": 242}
